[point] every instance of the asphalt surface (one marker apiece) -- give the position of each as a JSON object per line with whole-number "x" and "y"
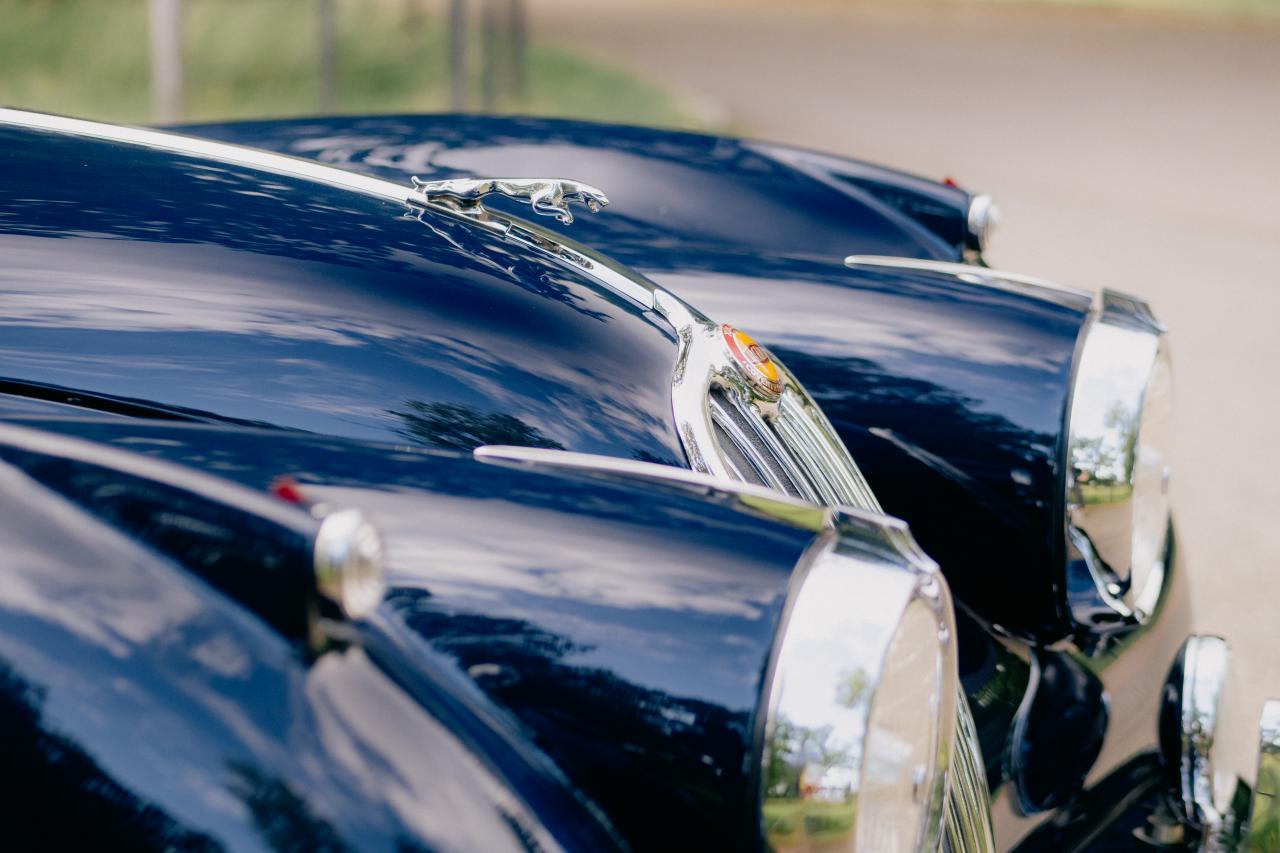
{"x": 1138, "y": 151}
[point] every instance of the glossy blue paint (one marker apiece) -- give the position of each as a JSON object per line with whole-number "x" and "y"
{"x": 1059, "y": 748}
{"x": 183, "y": 285}
{"x": 670, "y": 192}
{"x": 628, "y": 660}
{"x": 226, "y": 296}
{"x": 140, "y": 709}
{"x": 951, "y": 396}
{"x": 950, "y": 393}
{"x": 625, "y": 627}
{"x": 256, "y": 549}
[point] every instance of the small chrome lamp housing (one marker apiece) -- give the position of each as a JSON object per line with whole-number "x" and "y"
{"x": 1264, "y": 814}
{"x": 349, "y": 562}
{"x": 1201, "y": 707}
{"x": 1228, "y": 774}
{"x": 861, "y": 710}
{"x": 1118, "y": 466}
{"x": 980, "y": 222}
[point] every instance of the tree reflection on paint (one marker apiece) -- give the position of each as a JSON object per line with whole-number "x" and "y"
{"x": 450, "y": 426}
{"x": 635, "y": 751}
{"x": 1102, "y": 465}
{"x": 809, "y": 791}
{"x": 283, "y": 819}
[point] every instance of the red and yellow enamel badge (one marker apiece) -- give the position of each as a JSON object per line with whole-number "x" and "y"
{"x": 755, "y": 361}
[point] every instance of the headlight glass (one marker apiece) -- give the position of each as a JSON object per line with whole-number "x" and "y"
{"x": 1118, "y": 467}
{"x": 860, "y": 710}
{"x": 902, "y": 736}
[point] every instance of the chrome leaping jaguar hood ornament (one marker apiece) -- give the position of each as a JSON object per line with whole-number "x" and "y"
{"x": 547, "y": 196}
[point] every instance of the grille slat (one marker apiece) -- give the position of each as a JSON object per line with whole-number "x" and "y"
{"x": 967, "y": 826}
{"x": 842, "y": 482}
{"x": 740, "y": 467}
{"x": 747, "y": 431}
{"x": 794, "y": 452}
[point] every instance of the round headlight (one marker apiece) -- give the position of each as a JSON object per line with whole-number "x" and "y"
{"x": 1118, "y": 466}
{"x": 902, "y": 735}
{"x": 861, "y": 709}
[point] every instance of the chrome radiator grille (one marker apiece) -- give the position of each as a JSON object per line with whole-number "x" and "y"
{"x": 793, "y": 451}
{"x": 742, "y": 415}
{"x": 967, "y": 827}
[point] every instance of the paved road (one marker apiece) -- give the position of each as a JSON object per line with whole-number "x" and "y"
{"x": 1130, "y": 150}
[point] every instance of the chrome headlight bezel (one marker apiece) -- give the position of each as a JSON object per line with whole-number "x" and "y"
{"x": 846, "y": 612}
{"x": 1116, "y": 466}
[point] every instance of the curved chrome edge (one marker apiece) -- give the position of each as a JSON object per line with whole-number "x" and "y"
{"x": 981, "y": 220}
{"x": 617, "y": 469}
{"x": 703, "y": 364}
{"x": 880, "y": 536}
{"x": 845, "y": 610}
{"x": 581, "y": 258}
{"x": 225, "y": 152}
{"x": 1116, "y": 484}
{"x": 1264, "y": 811}
{"x": 1229, "y": 782}
{"x": 1011, "y": 282}
{"x": 1204, "y": 675}
{"x": 349, "y": 562}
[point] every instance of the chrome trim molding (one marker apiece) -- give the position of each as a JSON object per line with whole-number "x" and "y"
{"x": 1117, "y": 466}
{"x": 618, "y": 469}
{"x": 161, "y": 140}
{"x": 834, "y": 752}
{"x": 1025, "y": 285}
{"x": 732, "y": 425}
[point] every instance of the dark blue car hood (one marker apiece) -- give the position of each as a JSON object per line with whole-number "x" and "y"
{"x": 675, "y": 195}
{"x": 951, "y": 393}
{"x": 183, "y": 285}
{"x": 620, "y": 626}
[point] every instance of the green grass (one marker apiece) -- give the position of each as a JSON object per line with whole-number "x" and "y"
{"x": 798, "y": 823}
{"x": 1106, "y": 493}
{"x": 254, "y": 58}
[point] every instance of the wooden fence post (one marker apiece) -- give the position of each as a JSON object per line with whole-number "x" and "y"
{"x": 458, "y": 55}
{"x": 166, "y": 60}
